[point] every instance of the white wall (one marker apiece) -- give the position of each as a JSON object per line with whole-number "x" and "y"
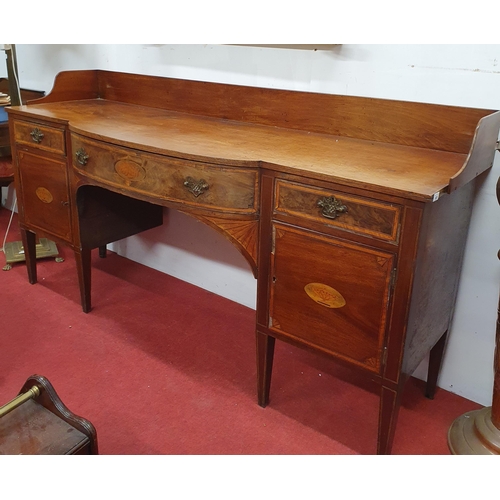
{"x": 464, "y": 75}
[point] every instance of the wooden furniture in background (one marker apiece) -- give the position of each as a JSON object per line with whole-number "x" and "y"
{"x": 352, "y": 212}
{"x": 6, "y": 172}
{"x": 26, "y": 95}
{"x": 38, "y": 423}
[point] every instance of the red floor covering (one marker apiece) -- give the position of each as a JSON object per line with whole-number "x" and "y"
{"x": 161, "y": 367}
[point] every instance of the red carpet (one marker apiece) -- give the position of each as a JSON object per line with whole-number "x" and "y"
{"x": 162, "y": 367}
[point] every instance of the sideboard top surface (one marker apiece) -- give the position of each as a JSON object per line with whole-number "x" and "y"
{"x": 375, "y": 160}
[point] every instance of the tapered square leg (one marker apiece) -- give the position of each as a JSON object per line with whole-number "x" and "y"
{"x": 265, "y": 356}
{"x": 390, "y": 401}
{"x": 29, "y": 244}
{"x": 83, "y": 266}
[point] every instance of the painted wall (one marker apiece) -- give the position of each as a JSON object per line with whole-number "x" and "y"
{"x": 464, "y": 75}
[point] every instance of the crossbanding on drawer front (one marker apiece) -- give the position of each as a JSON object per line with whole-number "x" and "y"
{"x": 42, "y": 137}
{"x": 188, "y": 182}
{"x": 338, "y": 209}
{"x": 330, "y": 295}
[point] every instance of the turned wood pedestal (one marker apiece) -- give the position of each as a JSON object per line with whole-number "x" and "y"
{"x": 478, "y": 432}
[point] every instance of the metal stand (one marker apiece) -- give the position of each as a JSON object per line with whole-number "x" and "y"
{"x": 14, "y": 252}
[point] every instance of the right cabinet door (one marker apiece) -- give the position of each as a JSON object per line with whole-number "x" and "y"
{"x": 330, "y": 294}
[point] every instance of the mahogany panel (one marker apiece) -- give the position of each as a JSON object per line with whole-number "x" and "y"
{"x": 437, "y": 272}
{"x": 330, "y": 294}
{"x": 447, "y": 128}
{"x": 44, "y": 196}
{"x": 72, "y": 85}
{"x": 481, "y": 153}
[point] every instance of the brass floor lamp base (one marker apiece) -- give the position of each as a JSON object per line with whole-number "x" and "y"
{"x": 14, "y": 252}
{"x": 473, "y": 433}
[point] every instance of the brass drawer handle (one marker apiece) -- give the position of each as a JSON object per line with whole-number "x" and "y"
{"x": 82, "y": 157}
{"x": 37, "y": 135}
{"x": 331, "y": 207}
{"x": 196, "y": 187}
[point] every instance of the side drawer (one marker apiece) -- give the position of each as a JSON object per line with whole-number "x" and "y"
{"x": 42, "y": 137}
{"x": 191, "y": 183}
{"x": 335, "y": 208}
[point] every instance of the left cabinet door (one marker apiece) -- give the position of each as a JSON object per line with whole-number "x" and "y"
{"x": 44, "y": 194}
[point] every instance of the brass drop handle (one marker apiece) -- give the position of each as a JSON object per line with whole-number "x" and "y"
{"x": 196, "y": 187}
{"x": 82, "y": 157}
{"x": 331, "y": 208}
{"x": 37, "y": 135}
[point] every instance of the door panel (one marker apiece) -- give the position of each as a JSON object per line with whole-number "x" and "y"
{"x": 45, "y": 198}
{"x": 330, "y": 294}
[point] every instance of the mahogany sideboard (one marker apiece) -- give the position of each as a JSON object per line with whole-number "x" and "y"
{"x": 352, "y": 212}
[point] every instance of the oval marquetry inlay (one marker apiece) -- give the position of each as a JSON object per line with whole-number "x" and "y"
{"x": 325, "y": 295}
{"x": 129, "y": 170}
{"x": 44, "y": 195}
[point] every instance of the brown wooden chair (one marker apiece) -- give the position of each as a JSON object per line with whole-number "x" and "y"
{"x": 36, "y": 422}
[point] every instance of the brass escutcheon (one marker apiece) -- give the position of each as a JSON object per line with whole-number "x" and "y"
{"x": 196, "y": 187}
{"x": 82, "y": 157}
{"x": 331, "y": 207}
{"x": 37, "y": 135}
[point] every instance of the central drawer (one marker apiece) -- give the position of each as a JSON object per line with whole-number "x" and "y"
{"x": 197, "y": 184}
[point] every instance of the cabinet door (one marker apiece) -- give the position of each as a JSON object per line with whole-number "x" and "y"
{"x": 44, "y": 193}
{"x": 330, "y": 294}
